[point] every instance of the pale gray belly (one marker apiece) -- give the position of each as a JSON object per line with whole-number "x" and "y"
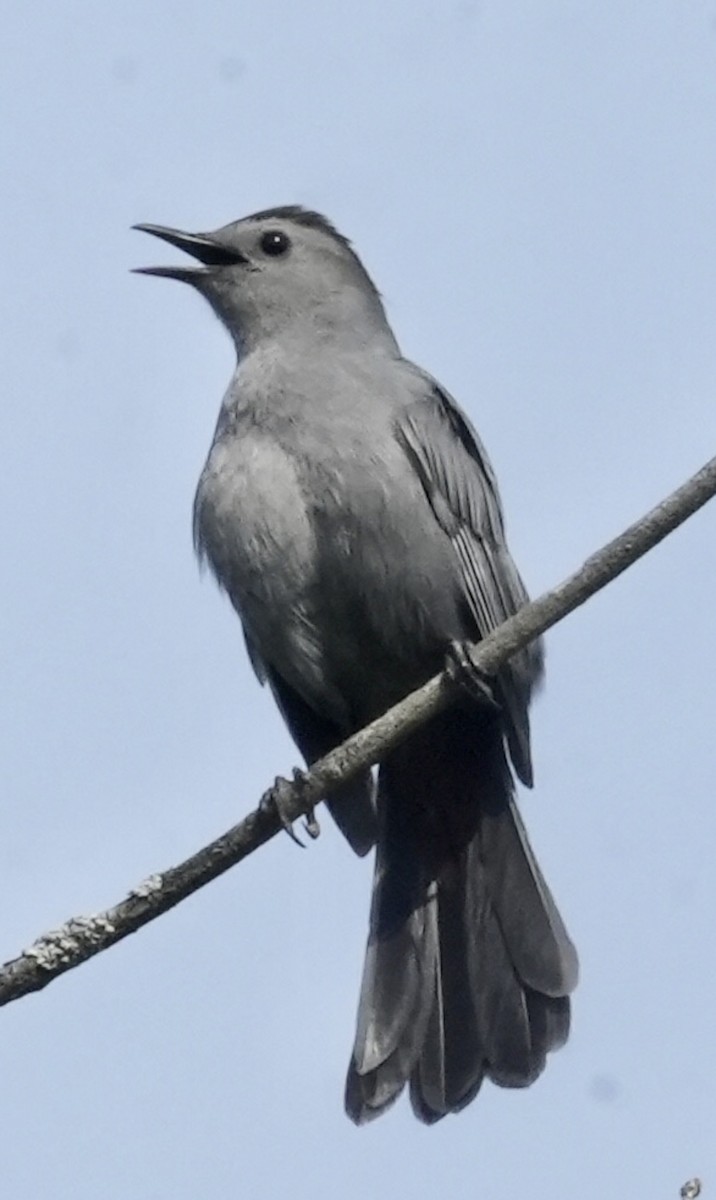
{"x": 351, "y": 601}
{"x": 254, "y": 529}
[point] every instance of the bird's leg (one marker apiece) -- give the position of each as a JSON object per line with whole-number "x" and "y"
{"x": 277, "y": 799}
{"x": 470, "y": 678}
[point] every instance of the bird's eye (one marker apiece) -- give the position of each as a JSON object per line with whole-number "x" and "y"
{"x": 275, "y": 242}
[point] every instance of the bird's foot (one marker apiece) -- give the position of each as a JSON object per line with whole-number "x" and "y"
{"x": 278, "y": 801}
{"x": 470, "y": 678}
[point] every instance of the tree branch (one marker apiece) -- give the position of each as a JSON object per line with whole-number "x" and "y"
{"x": 83, "y": 937}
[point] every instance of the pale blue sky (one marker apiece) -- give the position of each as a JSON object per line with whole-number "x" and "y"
{"x": 532, "y": 186}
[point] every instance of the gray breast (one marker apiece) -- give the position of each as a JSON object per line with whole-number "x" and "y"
{"x": 253, "y": 527}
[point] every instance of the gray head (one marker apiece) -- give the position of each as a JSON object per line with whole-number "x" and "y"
{"x": 281, "y": 272}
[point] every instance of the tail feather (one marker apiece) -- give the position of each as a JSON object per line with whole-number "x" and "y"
{"x": 469, "y": 966}
{"x": 540, "y": 948}
{"x": 450, "y": 1069}
{"x": 394, "y": 1011}
{"x": 397, "y": 984}
{"x": 398, "y": 980}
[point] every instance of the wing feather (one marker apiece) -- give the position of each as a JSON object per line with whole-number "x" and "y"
{"x": 462, "y": 490}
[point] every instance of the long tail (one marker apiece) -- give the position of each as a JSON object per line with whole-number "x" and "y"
{"x": 469, "y": 967}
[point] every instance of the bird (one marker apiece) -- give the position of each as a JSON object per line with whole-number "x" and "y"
{"x": 350, "y": 512}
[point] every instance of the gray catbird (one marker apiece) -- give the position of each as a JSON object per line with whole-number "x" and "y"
{"x": 350, "y": 512}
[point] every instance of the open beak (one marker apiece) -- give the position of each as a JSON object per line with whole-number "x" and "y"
{"x": 201, "y": 246}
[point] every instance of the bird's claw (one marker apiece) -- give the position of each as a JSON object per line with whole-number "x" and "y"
{"x": 470, "y": 678}
{"x": 313, "y": 829}
{"x": 277, "y": 801}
